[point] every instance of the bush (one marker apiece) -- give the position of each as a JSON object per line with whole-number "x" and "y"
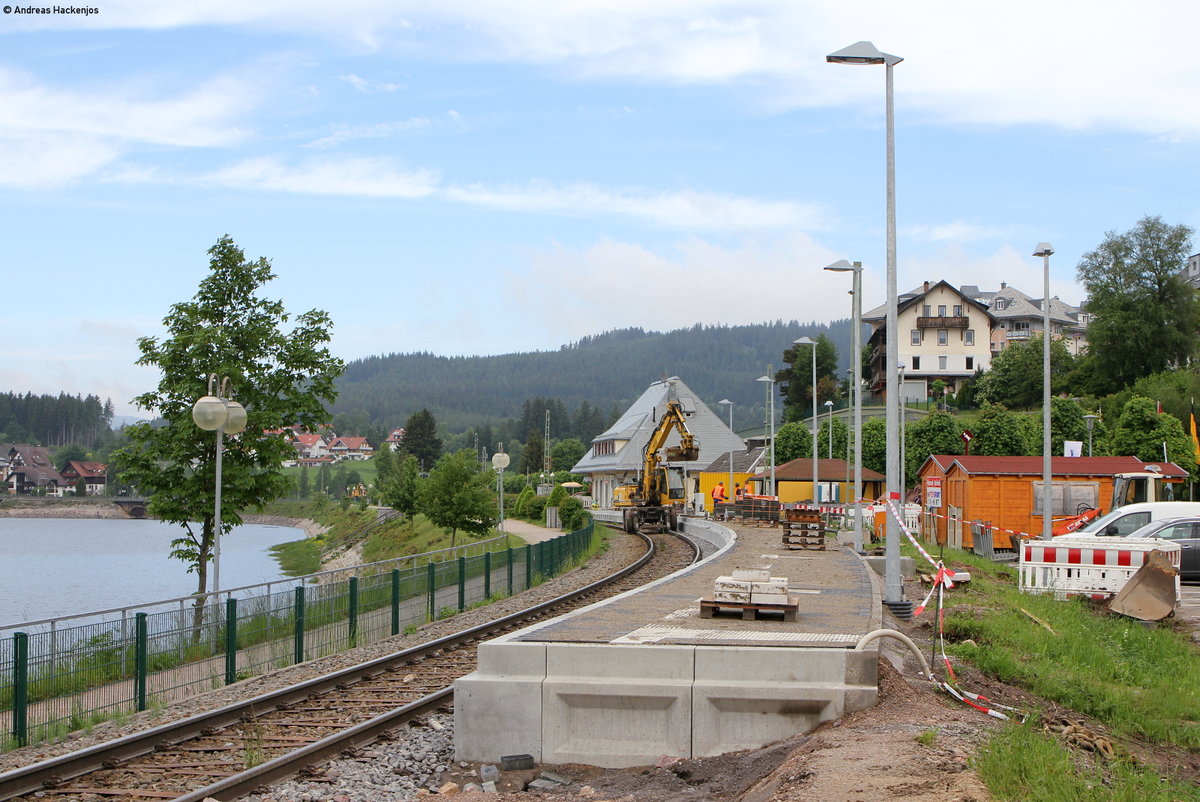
{"x": 522, "y": 503}
{"x": 572, "y": 515}
{"x": 535, "y": 508}
{"x": 557, "y": 496}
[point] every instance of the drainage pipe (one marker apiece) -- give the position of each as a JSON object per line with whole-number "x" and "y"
{"x": 900, "y": 636}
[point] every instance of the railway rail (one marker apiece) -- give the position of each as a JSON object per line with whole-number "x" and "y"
{"x": 228, "y": 752}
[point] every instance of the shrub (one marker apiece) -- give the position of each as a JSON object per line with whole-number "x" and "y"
{"x": 572, "y": 514}
{"x": 535, "y": 508}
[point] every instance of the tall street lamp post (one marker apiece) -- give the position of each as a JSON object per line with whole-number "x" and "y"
{"x": 856, "y": 368}
{"x": 769, "y": 380}
{"x": 222, "y": 414}
{"x": 813, "y": 343}
{"x": 1044, "y": 249}
{"x": 1091, "y": 422}
{"x": 730, "y": 485}
{"x": 829, "y": 409}
{"x": 893, "y": 591}
{"x": 500, "y": 461}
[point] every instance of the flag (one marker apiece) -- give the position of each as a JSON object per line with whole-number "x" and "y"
{"x": 1159, "y": 403}
{"x": 1195, "y": 439}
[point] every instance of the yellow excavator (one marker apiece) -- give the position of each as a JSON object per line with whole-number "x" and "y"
{"x": 652, "y": 504}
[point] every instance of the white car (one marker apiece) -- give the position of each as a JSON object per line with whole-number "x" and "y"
{"x": 1123, "y": 520}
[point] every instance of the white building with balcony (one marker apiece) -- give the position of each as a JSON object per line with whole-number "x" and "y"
{"x": 1019, "y": 317}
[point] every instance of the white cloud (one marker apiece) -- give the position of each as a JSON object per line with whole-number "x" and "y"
{"x": 373, "y": 178}
{"x": 626, "y": 284}
{"x": 955, "y": 231}
{"x": 344, "y": 133}
{"x": 687, "y": 209}
{"x": 369, "y": 86}
{"x": 50, "y": 160}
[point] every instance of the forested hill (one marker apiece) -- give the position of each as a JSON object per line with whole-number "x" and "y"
{"x": 606, "y": 370}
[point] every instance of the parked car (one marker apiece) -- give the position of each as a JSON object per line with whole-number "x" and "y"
{"x": 1123, "y": 520}
{"x": 1185, "y": 532}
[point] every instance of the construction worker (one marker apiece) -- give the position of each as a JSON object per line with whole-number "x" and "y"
{"x": 739, "y": 492}
{"x": 718, "y": 494}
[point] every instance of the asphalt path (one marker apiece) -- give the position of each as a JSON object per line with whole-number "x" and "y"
{"x": 530, "y": 533}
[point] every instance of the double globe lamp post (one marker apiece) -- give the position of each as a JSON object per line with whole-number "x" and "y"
{"x": 220, "y": 413}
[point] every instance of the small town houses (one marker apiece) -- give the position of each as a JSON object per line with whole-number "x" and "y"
{"x": 327, "y": 448}
{"x": 28, "y": 470}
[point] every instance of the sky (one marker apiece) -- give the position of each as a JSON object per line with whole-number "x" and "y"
{"x": 483, "y": 177}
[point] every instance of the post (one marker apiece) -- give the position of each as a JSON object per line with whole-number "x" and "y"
{"x": 431, "y": 581}
{"x": 352, "y": 629}
{"x": 1044, "y": 250}
{"x": 141, "y": 660}
{"x": 509, "y": 560}
{"x": 20, "y": 714}
{"x": 217, "y": 514}
{"x": 528, "y": 566}
{"x": 298, "y": 635}
{"x": 857, "y": 365}
{"x": 487, "y": 575}
{"x": 395, "y": 601}
{"x": 462, "y": 584}
{"x": 230, "y": 641}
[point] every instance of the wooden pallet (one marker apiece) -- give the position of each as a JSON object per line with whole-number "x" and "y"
{"x": 749, "y": 611}
{"x": 809, "y": 543}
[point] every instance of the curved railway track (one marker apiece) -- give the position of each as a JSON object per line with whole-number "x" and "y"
{"x": 229, "y": 752}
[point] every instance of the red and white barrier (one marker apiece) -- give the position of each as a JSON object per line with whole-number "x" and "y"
{"x": 1097, "y": 567}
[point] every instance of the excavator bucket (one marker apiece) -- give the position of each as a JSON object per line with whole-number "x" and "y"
{"x": 1150, "y": 594}
{"x": 681, "y": 454}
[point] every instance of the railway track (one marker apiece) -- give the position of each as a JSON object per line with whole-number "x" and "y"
{"x": 229, "y": 752}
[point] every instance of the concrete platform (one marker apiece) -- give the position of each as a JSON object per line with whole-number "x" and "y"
{"x": 627, "y": 680}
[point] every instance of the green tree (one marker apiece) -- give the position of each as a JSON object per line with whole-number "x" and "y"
{"x": 66, "y": 454}
{"x": 792, "y": 441}
{"x": 1066, "y": 423}
{"x": 571, "y": 515}
{"x": 936, "y": 433}
{"x": 458, "y": 495}
{"x": 280, "y": 370}
{"x": 531, "y": 459}
{"x": 385, "y": 464}
{"x": 1142, "y": 430}
{"x": 421, "y": 440}
{"x": 874, "y": 447}
{"x": 566, "y": 453}
{"x": 998, "y": 433}
{"x": 795, "y": 381}
{"x": 1144, "y": 317}
{"x": 402, "y": 492}
{"x": 1015, "y": 378}
{"x": 841, "y": 438}
{"x": 305, "y": 485}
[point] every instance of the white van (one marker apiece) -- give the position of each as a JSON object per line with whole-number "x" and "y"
{"x": 1123, "y": 520}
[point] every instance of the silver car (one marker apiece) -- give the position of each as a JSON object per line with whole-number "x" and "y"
{"x": 1185, "y": 532}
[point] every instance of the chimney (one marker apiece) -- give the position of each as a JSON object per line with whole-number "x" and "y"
{"x": 1003, "y": 284}
{"x": 926, "y": 287}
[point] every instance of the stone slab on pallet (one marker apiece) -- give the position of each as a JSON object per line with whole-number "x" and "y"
{"x": 751, "y": 611}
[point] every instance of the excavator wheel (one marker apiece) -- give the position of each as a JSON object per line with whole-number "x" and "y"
{"x": 630, "y": 521}
{"x": 673, "y": 521}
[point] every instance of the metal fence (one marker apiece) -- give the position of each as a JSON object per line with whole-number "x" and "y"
{"x": 63, "y": 674}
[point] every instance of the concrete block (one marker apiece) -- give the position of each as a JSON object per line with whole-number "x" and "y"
{"x": 616, "y": 706}
{"x": 769, "y": 598}
{"x": 908, "y": 567}
{"x": 737, "y": 597}
{"x": 750, "y": 574}
{"x": 498, "y": 708}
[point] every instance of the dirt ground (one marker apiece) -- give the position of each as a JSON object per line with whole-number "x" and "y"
{"x": 915, "y": 744}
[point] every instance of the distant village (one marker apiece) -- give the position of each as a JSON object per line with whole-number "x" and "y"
{"x": 27, "y": 470}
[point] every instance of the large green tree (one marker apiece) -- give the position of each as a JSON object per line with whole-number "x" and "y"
{"x": 566, "y": 453}
{"x": 792, "y": 441}
{"x": 795, "y": 380}
{"x": 458, "y": 495}
{"x": 1144, "y": 318}
{"x": 936, "y": 433}
{"x": 279, "y": 369}
{"x": 421, "y": 440}
{"x": 1015, "y": 378}
{"x": 1142, "y": 431}
{"x": 997, "y": 433}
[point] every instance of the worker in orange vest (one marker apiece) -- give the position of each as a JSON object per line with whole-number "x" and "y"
{"x": 718, "y": 494}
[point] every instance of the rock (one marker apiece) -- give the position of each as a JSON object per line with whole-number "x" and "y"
{"x": 489, "y": 772}
{"x": 472, "y": 787}
{"x": 555, "y": 778}
{"x": 587, "y": 790}
{"x": 543, "y": 785}
{"x": 449, "y": 789}
{"x": 489, "y": 787}
{"x": 434, "y": 724}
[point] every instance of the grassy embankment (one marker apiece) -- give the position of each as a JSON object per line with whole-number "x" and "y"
{"x": 396, "y": 538}
{"x": 1141, "y": 681}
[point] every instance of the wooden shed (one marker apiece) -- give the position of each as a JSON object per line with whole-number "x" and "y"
{"x": 1005, "y": 492}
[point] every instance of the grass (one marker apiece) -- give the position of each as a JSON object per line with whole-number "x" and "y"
{"x": 1142, "y": 681}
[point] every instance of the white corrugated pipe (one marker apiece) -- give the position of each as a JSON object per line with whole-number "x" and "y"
{"x": 900, "y": 636}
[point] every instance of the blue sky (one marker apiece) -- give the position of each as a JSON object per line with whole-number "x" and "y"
{"x": 510, "y": 175}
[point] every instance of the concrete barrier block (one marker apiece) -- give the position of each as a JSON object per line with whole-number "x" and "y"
{"x": 616, "y": 706}
{"x": 498, "y": 708}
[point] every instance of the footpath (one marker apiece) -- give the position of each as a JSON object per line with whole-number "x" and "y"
{"x": 530, "y": 533}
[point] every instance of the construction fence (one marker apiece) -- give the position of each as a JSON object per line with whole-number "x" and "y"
{"x": 61, "y": 675}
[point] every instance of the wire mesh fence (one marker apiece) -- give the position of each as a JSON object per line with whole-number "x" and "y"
{"x": 60, "y": 675}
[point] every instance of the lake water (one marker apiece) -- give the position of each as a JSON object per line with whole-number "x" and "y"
{"x": 55, "y": 566}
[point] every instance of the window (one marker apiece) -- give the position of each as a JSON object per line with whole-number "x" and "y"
{"x": 970, "y": 363}
{"x": 916, "y": 337}
{"x": 925, "y": 311}
{"x": 969, "y": 337}
{"x": 1000, "y": 303}
{"x": 941, "y": 310}
{"x": 958, "y": 310}
{"x": 941, "y": 363}
{"x": 943, "y": 337}
{"x": 916, "y": 363}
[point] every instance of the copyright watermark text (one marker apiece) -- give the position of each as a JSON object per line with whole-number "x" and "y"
{"x": 82, "y": 11}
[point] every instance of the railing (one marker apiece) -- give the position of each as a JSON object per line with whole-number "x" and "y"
{"x": 55, "y": 678}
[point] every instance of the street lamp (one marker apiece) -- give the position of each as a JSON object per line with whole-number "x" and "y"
{"x": 730, "y": 485}
{"x": 769, "y": 379}
{"x": 1090, "y": 420}
{"x": 893, "y": 591}
{"x": 813, "y": 343}
{"x": 1044, "y": 249}
{"x": 500, "y": 461}
{"x": 829, "y": 409}
{"x": 856, "y": 268}
{"x": 222, "y": 414}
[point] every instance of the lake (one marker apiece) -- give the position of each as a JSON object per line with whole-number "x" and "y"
{"x": 56, "y": 566}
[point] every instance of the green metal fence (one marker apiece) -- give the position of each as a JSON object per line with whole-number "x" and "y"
{"x": 62, "y": 678}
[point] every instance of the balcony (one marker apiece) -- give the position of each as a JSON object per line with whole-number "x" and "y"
{"x": 942, "y": 323}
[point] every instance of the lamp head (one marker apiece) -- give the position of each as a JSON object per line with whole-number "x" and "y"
{"x": 209, "y": 413}
{"x": 235, "y": 417}
{"x": 725, "y": 401}
{"x": 804, "y": 341}
{"x": 1043, "y": 249}
{"x": 765, "y": 379}
{"x": 842, "y": 266}
{"x": 862, "y": 53}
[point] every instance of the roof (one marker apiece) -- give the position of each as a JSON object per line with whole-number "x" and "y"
{"x": 747, "y": 461}
{"x": 639, "y": 421}
{"x": 87, "y": 470}
{"x": 352, "y": 443}
{"x": 1061, "y": 466}
{"x": 800, "y": 470}
{"x": 912, "y": 297}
